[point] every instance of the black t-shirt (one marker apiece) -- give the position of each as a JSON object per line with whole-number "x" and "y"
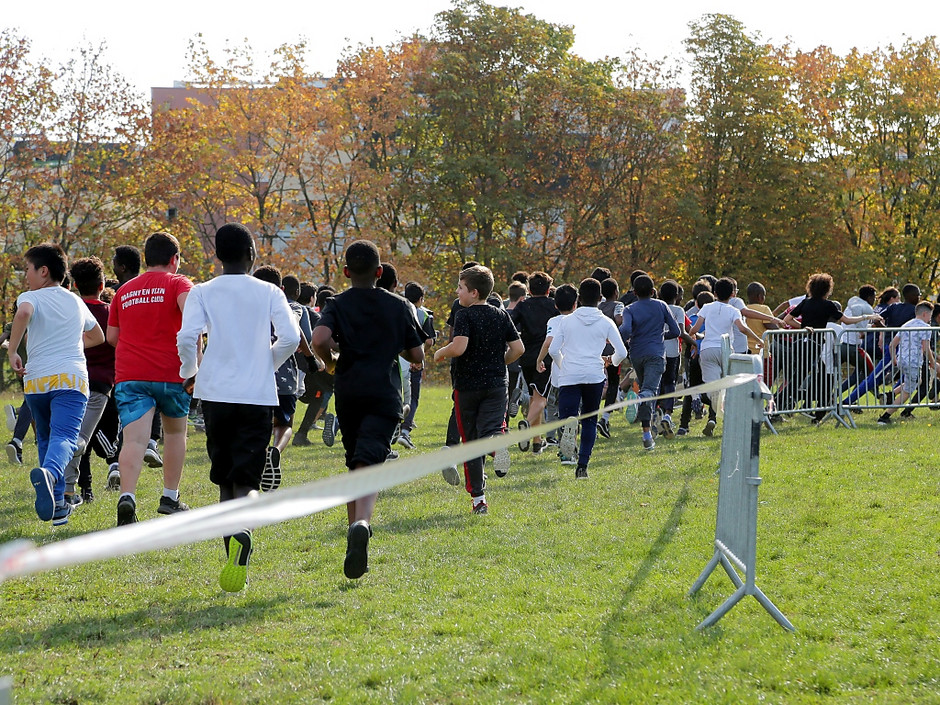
{"x": 816, "y": 313}
{"x": 531, "y": 317}
{"x": 483, "y": 364}
{"x": 372, "y": 327}
{"x": 896, "y": 315}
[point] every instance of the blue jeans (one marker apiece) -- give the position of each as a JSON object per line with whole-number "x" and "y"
{"x": 58, "y": 416}
{"x": 649, "y": 371}
{"x": 588, "y": 397}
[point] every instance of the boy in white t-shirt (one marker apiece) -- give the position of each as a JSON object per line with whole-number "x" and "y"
{"x": 908, "y": 349}
{"x": 566, "y": 299}
{"x": 56, "y": 380}
{"x": 237, "y": 311}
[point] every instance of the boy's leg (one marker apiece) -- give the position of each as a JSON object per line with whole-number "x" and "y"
{"x": 590, "y": 396}
{"x": 24, "y": 418}
{"x": 136, "y": 435}
{"x": 467, "y": 406}
{"x": 94, "y": 410}
{"x": 174, "y": 451}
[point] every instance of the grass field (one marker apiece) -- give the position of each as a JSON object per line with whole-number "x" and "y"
{"x": 567, "y": 592}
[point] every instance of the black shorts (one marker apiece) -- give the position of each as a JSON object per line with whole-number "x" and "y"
{"x": 367, "y": 436}
{"x": 284, "y": 411}
{"x": 237, "y": 437}
{"x": 538, "y": 382}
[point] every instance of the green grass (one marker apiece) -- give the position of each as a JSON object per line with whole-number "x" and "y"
{"x": 567, "y": 592}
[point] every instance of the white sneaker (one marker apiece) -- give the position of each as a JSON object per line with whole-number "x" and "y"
{"x": 451, "y": 474}
{"x": 114, "y": 477}
{"x": 11, "y": 417}
{"x": 405, "y": 440}
{"x": 568, "y": 445}
{"x": 152, "y": 455}
{"x": 501, "y": 462}
{"x": 666, "y": 427}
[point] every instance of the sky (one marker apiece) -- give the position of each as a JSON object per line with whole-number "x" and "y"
{"x": 148, "y": 43}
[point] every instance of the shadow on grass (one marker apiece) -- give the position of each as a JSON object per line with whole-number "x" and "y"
{"x": 611, "y": 632}
{"x": 146, "y": 624}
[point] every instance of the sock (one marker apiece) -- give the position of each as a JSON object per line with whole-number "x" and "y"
{"x": 172, "y": 494}
{"x": 606, "y": 416}
{"x": 128, "y": 494}
{"x": 479, "y": 500}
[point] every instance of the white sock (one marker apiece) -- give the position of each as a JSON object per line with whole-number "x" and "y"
{"x": 479, "y": 500}
{"x": 172, "y": 494}
{"x": 128, "y": 494}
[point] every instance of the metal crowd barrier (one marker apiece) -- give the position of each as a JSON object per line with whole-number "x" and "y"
{"x": 826, "y": 373}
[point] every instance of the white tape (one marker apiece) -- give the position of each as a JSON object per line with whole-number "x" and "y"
{"x": 23, "y": 558}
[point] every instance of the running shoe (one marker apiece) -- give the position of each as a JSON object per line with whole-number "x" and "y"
{"x": 568, "y": 445}
{"x": 357, "y": 550}
{"x": 524, "y": 444}
{"x": 405, "y": 440}
{"x": 648, "y": 444}
{"x": 234, "y": 575}
{"x": 501, "y": 462}
{"x": 62, "y": 512}
{"x": 15, "y": 452}
{"x": 666, "y": 427}
{"x": 114, "y": 477}
{"x": 480, "y": 508}
{"x": 580, "y": 473}
{"x": 152, "y": 455}
{"x": 43, "y": 483}
{"x": 514, "y": 401}
{"x": 87, "y": 495}
{"x": 603, "y": 427}
{"x": 171, "y": 506}
{"x": 329, "y": 429}
{"x": 74, "y": 499}
{"x": 450, "y": 473}
{"x": 11, "y": 417}
{"x": 629, "y": 411}
{"x": 709, "y": 429}
{"x": 271, "y": 475}
{"x": 126, "y": 511}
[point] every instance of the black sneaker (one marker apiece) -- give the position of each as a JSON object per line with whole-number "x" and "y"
{"x": 74, "y": 499}
{"x": 171, "y": 506}
{"x": 15, "y": 452}
{"x": 580, "y": 473}
{"x": 61, "y": 514}
{"x": 884, "y": 419}
{"x": 271, "y": 475}
{"x": 357, "y": 550}
{"x": 300, "y": 439}
{"x": 127, "y": 511}
{"x": 329, "y": 429}
{"x": 907, "y": 414}
{"x": 603, "y": 427}
{"x": 538, "y": 446}
{"x": 480, "y": 508}
{"x": 87, "y": 495}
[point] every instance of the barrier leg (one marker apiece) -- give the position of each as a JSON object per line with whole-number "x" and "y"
{"x": 772, "y": 609}
{"x": 723, "y": 609}
{"x": 705, "y": 573}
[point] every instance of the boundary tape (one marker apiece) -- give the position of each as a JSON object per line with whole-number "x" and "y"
{"x": 22, "y": 557}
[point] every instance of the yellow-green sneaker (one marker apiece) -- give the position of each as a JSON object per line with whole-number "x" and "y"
{"x": 234, "y": 574}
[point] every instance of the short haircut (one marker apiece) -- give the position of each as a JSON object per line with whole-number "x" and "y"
{"x": 669, "y": 291}
{"x": 867, "y": 292}
{"x": 819, "y": 285}
{"x": 51, "y": 255}
{"x": 233, "y": 243}
{"x": 471, "y": 263}
{"x": 160, "y": 248}
{"x": 755, "y": 291}
{"x": 478, "y": 278}
{"x": 362, "y": 257}
{"x": 307, "y": 292}
{"x": 724, "y": 289}
{"x": 911, "y": 293}
{"x": 517, "y": 291}
{"x": 268, "y": 273}
{"x": 601, "y": 274}
{"x": 634, "y": 274}
{"x": 494, "y": 300}
{"x": 566, "y": 296}
{"x": 711, "y": 279}
{"x": 87, "y": 274}
{"x": 324, "y": 293}
{"x": 291, "y": 286}
{"x": 643, "y": 286}
{"x": 609, "y": 286}
{"x": 128, "y": 257}
{"x": 923, "y": 306}
{"x": 389, "y": 277}
{"x": 414, "y": 292}
{"x": 539, "y": 283}
{"x": 521, "y": 277}
{"x": 704, "y": 297}
{"x": 700, "y": 286}
{"x": 589, "y": 292}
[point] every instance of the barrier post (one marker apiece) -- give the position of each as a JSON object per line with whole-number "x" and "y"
{"x": 6, "y": 690}
{"x": 736, "y": 523}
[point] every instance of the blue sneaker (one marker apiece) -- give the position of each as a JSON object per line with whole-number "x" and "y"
{"x": 45, "y": 500}
{"x": 61, "y": 514}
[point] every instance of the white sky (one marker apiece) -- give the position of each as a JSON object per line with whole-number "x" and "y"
{"x": 147, "y": 42}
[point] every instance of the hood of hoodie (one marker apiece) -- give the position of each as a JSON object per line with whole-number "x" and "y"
{"x": 588, "y": 315}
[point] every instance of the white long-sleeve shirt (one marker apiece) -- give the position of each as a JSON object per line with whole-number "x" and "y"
{"x": 237, "y": 311}
{"x": 578, "y": 342}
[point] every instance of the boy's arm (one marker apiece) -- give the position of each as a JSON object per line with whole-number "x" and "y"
{"x": 93, "y": 337}
{"x": 286, "y": 329}
{"x": 620, "y": 350}
{"x": 325, "y": 347}
{"x": 743, "y": 327}
{"x": 414, "y": 355}
{"x": 514, "y": 351}
{"x": 893, "y": 348}
{"x": 455, "y": 348}
{"x": 188, "y": 338}
{"x": 543, "y": 351}
{"x": 23, "y": 313}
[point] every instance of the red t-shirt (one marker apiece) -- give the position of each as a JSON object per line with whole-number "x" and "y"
{"x": 146, "y": 312}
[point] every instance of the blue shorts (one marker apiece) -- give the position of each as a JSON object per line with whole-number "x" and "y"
{"x": 134, "y": 399}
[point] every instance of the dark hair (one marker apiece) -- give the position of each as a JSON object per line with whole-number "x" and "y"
{"x": 160, "y": 248}
{"x": 589, "y": 292}
{"x": 634, "y": 274}
{"x": 887, "y": 295}
{"x": 911, "y": 293}
{"x": 601, "y": 274}
{"x": 323, "y": 293}
{"x": 233, "y": 243}
{"x": 566, "y": 296}
{"x": 704, "y": 297}
{"x": 291, "y": 286}
{"x": 268, "y": 273}
{"x": 494, "y": 300}
{"x": 539, "y": 283}
{"x": 819, "y": 285}
{"x": 643, "y": 286}
{"x": 49, "y": 254}
{"x": 307, "y": 292}
{"x": 478, "y": 278}
{"x": 471, "y": 263}
{"x": 389, "y": 278}
{"x": 867, "y": 293}
{"x": 609, "y": 286}
{"x": 413, "y": 292}
{"x": 755, "y": 291}
{"x": 700, "y": 286}
{"x": 711, "y": 279}
{"x": 362, "y": 257}
{"x": 517, "y": 291}
{"x": 669, "y": 291}
{"x": 521, "y": 277}
{"x": 724, "y": 289}
{"x": 87, "y": 274}
{"x": 128, "y": 257}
